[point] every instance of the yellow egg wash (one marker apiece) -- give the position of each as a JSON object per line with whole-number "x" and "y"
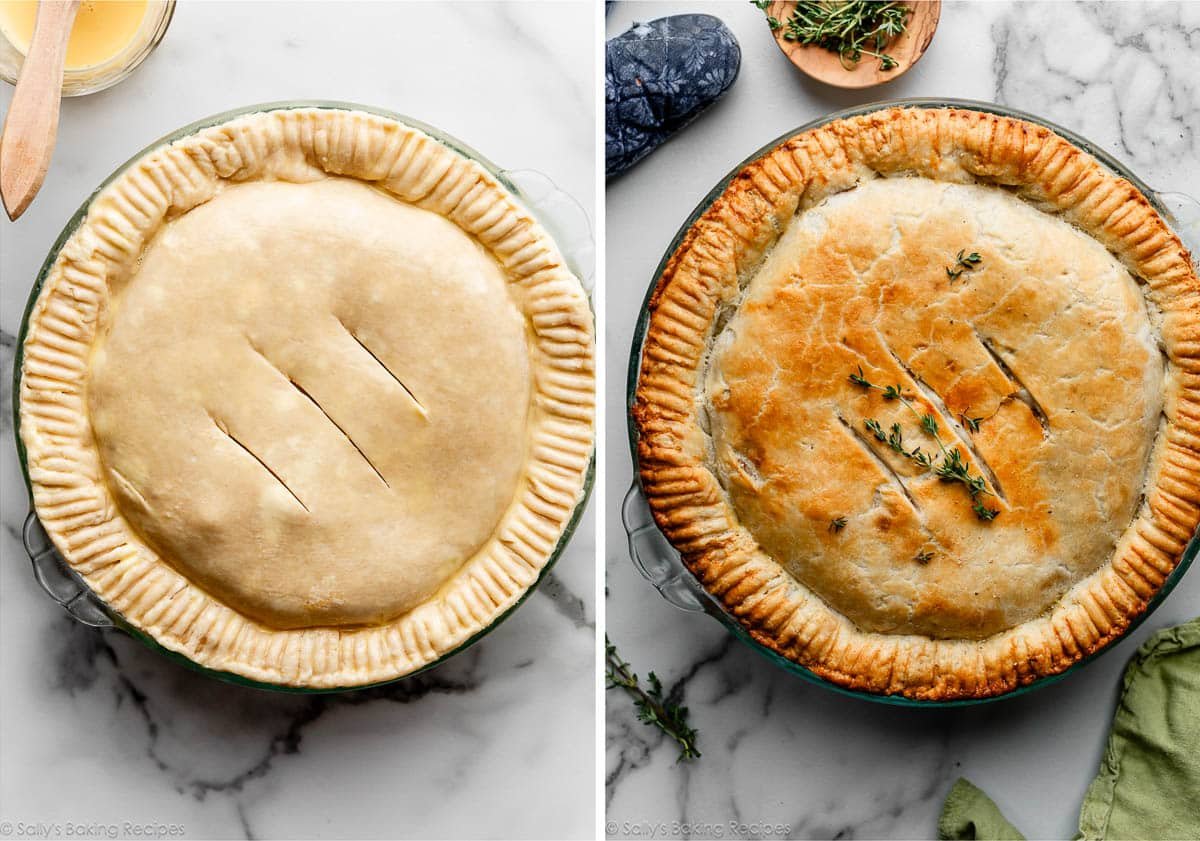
{"x": 103, "y": 28}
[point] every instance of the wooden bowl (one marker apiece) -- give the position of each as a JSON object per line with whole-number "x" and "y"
{"x": 826, "y": 66}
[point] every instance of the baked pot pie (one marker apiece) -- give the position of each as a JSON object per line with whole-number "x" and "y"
{"x": 919, "y": 402}
{"x": 307, "y": 397}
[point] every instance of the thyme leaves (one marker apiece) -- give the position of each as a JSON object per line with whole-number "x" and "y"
{"x": 947, "y": 464}
{"x": 850, "y": 28}
{"x": 963, "y": 263}
{"x": 654, "y": 707}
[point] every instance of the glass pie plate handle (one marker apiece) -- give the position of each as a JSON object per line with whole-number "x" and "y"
{"x": 656, "y": 559}
{"x": 562, "y": 215}
{"x": 568, "y": 224}
{"x": 59, "y": 581}
{"x": 1183, "y": 213}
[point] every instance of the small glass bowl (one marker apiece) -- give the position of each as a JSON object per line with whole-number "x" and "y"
{"x": 87, "y": 80}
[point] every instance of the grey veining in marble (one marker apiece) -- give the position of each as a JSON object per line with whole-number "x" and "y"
{"x": 96, "y": 730}
{"x": 776, "y": 750}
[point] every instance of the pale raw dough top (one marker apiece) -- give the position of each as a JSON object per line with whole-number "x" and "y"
{"x": 312, "y": 400}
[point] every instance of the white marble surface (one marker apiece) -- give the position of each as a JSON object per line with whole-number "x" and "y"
{"x": 777, "y": 750}
{"x": 95, "y": 730}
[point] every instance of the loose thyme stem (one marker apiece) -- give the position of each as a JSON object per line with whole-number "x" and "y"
{"x": 653, "y": 708}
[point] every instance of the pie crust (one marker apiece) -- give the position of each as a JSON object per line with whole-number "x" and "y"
{"x": 1063, "y": 366}
{"x": 307, "y": 397}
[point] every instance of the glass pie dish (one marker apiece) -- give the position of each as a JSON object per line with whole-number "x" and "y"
{"x": 558, "y": 213}
{"x": 677, "y": 445}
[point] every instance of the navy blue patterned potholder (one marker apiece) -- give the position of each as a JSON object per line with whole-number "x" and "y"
{"x": 658, "y": 77}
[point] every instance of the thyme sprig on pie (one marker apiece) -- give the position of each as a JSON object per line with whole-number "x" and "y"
{"x": 963, "y": 263}
{"x": 947, "y": 465}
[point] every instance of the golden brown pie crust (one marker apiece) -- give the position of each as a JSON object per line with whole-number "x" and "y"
{"x": 246, "y": 532}
{"x": 747, "y": 420}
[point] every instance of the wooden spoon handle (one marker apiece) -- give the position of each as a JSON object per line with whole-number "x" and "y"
{"x": 32, "y": 122}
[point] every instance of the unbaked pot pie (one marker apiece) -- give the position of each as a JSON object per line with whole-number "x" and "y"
{"x": 307, "y": 397}
{"x": 919, "y": 402}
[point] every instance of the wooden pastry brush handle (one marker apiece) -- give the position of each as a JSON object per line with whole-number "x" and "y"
{"x": 32, "y": 122}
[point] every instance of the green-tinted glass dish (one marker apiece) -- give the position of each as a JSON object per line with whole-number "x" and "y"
{"x": 560, "y": 214}
{"x": 660, "y": 564}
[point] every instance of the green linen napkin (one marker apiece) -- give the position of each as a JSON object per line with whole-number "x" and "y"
{"x": 969, "y": 814}
{"x": 1149, "y": 780}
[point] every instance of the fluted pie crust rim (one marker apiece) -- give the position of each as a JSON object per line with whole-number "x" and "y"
{"x": 729, "y": 240}
{"x": 78, "y": 510}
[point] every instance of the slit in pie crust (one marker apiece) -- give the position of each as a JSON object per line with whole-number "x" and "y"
{"x": 307, "y": 397}
{"x": 1059, "y": 367}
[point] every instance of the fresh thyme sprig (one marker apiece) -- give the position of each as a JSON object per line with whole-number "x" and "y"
{"x": 772, "y": 21}
{"x": 895, "y": 392}
{"x": 850, "y": 28}
{"x": 837, "y": 524}
{"x": 984, "y": 513}
{"x": 951, "y": 468}
{"x": 963, "y": 263}
{"x": 653, "y": 707}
